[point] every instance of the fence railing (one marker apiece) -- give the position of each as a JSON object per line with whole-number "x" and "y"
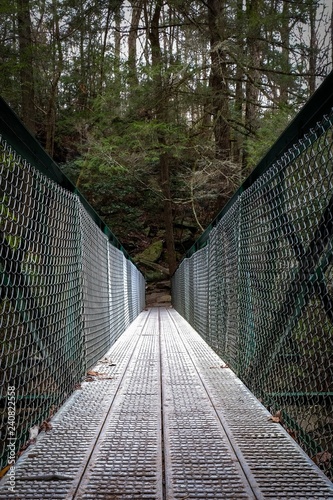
{"x": 66, "y": 294}
{"x": 258, "y": 286}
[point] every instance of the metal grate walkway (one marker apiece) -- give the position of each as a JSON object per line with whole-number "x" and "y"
{"x": 162, "y": 417}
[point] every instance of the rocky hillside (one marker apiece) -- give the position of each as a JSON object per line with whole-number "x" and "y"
{"x": 152, "y": 259}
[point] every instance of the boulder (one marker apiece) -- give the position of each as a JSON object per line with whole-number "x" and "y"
{"x": 186, "y": 223}
{"x": 151, "y": 276}
{"x": 183, "y": 235}
{"x": 151, "y": 253}
{"x": 164, "y": 299}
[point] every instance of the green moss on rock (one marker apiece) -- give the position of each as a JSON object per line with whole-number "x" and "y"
{"x": 151, "y": 253}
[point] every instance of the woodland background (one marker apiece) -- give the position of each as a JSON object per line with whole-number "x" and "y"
{"x": 157, "y": 110}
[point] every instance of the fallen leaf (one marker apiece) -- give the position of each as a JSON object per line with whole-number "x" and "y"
{"x": 92, "y": 373}
{"x": 25, "y": 446}
{"x": 4, "y": 471}
{"x": 100, "y": 376}
{"x": 276, "y": 418}
{"x": 323, "y": 457}
{"x": 33, "y": 432}
{"x": 52, "y": 411}
{"x": 107, "y": 361}
{"x": 46, "y": 426}
{"x": 292, "y": 433}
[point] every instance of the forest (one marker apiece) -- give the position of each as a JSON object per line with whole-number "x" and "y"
{"x": 157, "y": 110}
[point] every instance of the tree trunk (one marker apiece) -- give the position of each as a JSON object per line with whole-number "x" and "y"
{"x": 57, "y": 70}
{"x": 313, "y": 49}
{"x": 332, "y": 34}
{"x": 167, "y": 211}
{"x": 252, "y": 81}
{"x": 161, "y": 107}
{"x": 132, "y": 39}
{"x": 238, "y": 156}
{"x": 26, "y": 64}
{"x": 105, "y": 40}
{"x": 117, "y": 42}
{"x": 285, "y": 39}
{"x": 218, "y": 85}
{"x": 82, "y": 94}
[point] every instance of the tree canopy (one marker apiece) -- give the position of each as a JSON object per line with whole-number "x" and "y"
{"x": 158, "y": 109}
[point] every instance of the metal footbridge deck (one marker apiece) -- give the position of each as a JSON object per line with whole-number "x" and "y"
{"x": 161, "y": 416}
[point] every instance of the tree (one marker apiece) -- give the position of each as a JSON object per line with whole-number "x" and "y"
{"x": 161, "y": 102}
{"x": 55, "y": 75}
{"x": 218, "y": 77}
{"x": 179, "y": 95}
{"x": 26, "y": 64}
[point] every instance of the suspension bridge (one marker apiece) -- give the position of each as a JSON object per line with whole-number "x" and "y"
{"x": 227, "y": 394}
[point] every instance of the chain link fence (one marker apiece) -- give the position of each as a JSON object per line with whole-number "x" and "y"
{"x": 260, "y": 291}
{"x": 66, "y": 295}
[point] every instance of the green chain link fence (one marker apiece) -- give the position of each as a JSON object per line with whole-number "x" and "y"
{"x": 258, "y": 286}
{"x": 66, "y": 293}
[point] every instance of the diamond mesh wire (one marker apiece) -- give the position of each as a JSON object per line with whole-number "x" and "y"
{"x": 126, "y": 293}
{"x": 64, "y": 296}
{"x": 117, "y": 297}
{"x": 96, "y": 307}
{"x": 268, "y": 277}
{"x": 200, "y": 277}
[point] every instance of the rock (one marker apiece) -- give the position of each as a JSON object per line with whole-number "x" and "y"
{"x": 155, "y": 267}
{"x": 164, "y": 298}
{"x": 163, "y": 285}
{"x": 153, "y": 275}
{"x": 152, "y": 299}
{"x": 186, "y": 223}
{"x": 183, "y": 235}
{"x": 151, "y": 253}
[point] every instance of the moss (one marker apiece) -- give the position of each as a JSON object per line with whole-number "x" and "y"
{"x": 153, "y": 276}
{"x": 151, "y": 253}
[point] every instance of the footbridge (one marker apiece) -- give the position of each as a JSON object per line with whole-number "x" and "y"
{"x": 226, "y": 394}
